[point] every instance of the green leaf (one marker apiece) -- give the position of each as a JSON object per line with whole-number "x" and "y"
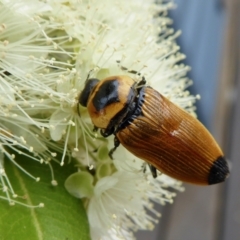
{"x": 62, "y": 217}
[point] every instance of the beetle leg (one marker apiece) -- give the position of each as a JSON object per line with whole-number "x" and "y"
{"x": 142, "y": 82}
{"x": 153, "y": 170}
{"x": 116, "y": 145}
{"x": 95, "y": 129}
{"x": 107, "y": 132}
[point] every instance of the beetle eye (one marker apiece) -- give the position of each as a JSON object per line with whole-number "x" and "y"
{"x": 89, "y": 85}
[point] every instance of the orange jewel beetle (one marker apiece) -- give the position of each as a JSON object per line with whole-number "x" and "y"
{"x": 154, "y": 129}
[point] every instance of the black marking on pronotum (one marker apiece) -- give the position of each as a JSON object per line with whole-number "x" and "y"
{"x": 219, "y": 171}
{"x": 106, "y": 94}
{"x": 120, "y": 117}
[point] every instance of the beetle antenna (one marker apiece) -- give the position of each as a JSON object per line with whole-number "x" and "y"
{"x": 88, "y": 76}
{"x": 126, "y": 69}
{"x": 142, "y": 82}
{"x": 89, "y": 73}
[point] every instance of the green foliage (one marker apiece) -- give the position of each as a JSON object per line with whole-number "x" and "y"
{"x": 62, "y": 217}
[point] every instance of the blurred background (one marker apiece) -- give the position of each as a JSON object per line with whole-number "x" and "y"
{"x": 211, "y": 41}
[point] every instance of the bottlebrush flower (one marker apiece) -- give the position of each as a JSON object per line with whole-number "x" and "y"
{"x": 47, "y": 50}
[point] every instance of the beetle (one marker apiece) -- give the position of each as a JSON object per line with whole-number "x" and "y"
{"x": 154, "y": 129}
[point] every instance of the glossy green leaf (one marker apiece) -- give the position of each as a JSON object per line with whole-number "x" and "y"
{"x": 62, "y": 217}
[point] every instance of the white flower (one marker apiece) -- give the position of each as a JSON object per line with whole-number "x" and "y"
{"x": 122, "y": 202}
{"x": 47, "y": 50}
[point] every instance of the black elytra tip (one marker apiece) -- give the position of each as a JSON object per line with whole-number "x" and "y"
{"x": 219, "y": 171}
{"x": 106, "y": 94}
